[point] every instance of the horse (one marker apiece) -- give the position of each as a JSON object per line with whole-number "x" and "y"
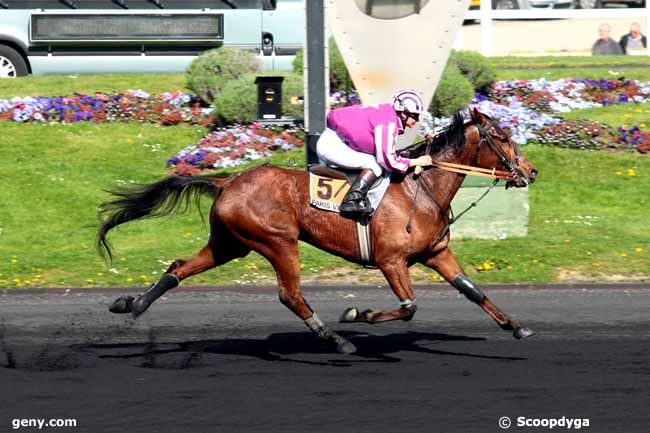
{"x": 266, "y": 209}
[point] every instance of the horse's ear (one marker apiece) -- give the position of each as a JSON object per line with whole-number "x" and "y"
{"x": 477, "y": 116}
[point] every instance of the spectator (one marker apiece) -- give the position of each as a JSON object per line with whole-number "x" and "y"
{"x": 633, "y": 40}
{"x": 605, "y": 45}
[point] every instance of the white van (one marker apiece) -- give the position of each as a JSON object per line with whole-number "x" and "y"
{"x": 117, "y": 36}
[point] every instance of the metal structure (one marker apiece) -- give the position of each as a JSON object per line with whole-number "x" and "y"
{"x": 386, "y": 45}
{"x": 316, "y": 73}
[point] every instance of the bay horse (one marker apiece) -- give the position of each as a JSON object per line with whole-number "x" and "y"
{"x": 266, "y": 209}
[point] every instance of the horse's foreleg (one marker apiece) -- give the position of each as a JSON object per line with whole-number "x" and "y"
{"x": 179, "y": 270}
{"x": 397, "y": 275}
{"x": 286, "y": 263}
{"x": 447, "y": 266}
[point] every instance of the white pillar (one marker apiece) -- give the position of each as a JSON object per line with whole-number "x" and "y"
{"x": 487, "y": 36}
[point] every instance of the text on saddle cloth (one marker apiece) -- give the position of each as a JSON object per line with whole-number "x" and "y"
{"x": 327, "y": 193}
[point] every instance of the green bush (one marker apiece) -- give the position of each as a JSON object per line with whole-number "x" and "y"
{"x": 338, "y": 71}
{"x": 453, "y": 93}
{"x": 475, "y": 67}
{"x": 237, "y": 102}
{"x": 299, "y": 62}
{"x": 293, "y": 89}
{"x": 209, "y": 73}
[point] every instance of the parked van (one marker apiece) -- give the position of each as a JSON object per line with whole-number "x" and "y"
{"x": 115, "y": 36}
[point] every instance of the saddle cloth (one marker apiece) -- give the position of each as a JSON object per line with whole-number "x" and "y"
{"x": 328, "y": 187}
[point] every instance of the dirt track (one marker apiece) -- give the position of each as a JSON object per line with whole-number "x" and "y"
{"x": 238, "y": 361}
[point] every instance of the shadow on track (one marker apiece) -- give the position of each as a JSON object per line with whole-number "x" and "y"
{"x": 283, "y": 347}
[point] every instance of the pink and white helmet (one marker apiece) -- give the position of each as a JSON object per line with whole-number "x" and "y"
{"x": 408, "y": 100}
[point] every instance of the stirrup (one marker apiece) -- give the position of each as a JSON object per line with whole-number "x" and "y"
{"x": 360, "y": 207}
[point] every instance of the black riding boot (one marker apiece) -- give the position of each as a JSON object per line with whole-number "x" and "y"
{"x": 356, "y": 202}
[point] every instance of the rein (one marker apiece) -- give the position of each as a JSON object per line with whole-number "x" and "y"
{"x": 474, "y": 171}
{"x": 469, "y": 170}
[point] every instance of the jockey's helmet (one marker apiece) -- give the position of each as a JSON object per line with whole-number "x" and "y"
{"x": 408, "y": 101}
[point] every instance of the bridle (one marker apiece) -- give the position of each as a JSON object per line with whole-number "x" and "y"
{"x": 511, "y": 174}
{"x": 510, "y": 165}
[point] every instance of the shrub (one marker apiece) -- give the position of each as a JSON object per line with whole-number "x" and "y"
{"x": 299, "y": 62}
{"x": 237, "y": 102}
{"x": 209, "y": 73}
{"x": 293, "y": 89}
{"x": 338, "y": 70}
{"x": 453, "y": 93}
{"x": 475, "y": 67}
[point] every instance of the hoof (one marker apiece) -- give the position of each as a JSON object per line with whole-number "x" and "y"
{"x": 342, "y": 345}
{"x": 346, "y": 348}
{"x": 121, "y": 305}
{"x": 522, "y": 332}
{"x": 350, "y": 315}
{"x": 139, "y": 306}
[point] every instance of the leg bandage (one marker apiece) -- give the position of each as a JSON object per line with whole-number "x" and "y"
{"x": 409, "y": 305}
{"x": 468, "y": 288}
{"x": 318, "y": 327}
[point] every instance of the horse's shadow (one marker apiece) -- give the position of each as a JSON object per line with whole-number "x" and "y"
{"x": 284, "y": 347}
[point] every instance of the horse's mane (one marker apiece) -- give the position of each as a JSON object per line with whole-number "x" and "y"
{"x": 452, "y": 137}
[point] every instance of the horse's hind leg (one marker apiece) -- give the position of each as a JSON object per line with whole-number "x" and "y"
{"x": 179, "y": 270}
{"x": 447, "y": 266}
{"x": 206, "y": 259}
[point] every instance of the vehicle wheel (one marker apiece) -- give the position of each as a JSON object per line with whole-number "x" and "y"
{"x": 12, "y": 64}
{"x": 589, "y": 4}
{"x": 505, "y": 4}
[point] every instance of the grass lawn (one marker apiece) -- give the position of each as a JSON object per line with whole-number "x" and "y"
{"x": 560, "y": 62}
{"x": 586, "y": 221}
{"x": 615, "y": 115}
{"x": 611, "y": 73}
{"x": 60, "y": 85}
{"x": 553, "y": 68}
{"x": 588, "y": 215}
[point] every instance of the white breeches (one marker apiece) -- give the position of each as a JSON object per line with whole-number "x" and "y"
{"x": 331, "y": 150}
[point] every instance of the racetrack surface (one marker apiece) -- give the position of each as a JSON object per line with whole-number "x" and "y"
{"x": 236, "y": 360}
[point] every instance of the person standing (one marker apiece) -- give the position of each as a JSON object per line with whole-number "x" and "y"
{"x": 605, "y": 45}
{"x": 633, "y": 40}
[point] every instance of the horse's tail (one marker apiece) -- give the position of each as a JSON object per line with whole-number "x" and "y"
{"x": 150, "y": 201}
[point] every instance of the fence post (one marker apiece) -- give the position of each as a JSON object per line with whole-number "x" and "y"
{"x": 486, "y": 28}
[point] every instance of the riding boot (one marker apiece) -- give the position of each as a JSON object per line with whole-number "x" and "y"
{"x": 356, "y": 201}
{"x": 142, "y": 302}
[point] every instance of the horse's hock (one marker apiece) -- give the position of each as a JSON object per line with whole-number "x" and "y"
{"x": 502, "y": 214}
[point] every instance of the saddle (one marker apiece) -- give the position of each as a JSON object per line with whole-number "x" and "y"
{"x": 327, "y": 188}
{"x": 333, "y": 173}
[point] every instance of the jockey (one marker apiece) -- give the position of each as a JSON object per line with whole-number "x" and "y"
{"x": 364, "y": 137}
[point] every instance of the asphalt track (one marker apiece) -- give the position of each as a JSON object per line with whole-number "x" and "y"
{"x": 235, "y": 360}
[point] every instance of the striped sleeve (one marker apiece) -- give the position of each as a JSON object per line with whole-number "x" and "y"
{"x": 386, "y": 148}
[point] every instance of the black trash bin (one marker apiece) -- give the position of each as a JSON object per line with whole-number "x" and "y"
{"x": 269, "y": 97}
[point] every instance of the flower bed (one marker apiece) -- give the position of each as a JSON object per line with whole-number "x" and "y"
{"x": 561, "y": 96}
{"x": 530, "y": 108}
{"x": 134, "y": 105}
{"x": 231, "y": 147}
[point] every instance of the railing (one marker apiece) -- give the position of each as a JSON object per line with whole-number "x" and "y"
{"x": 487, "y": 15}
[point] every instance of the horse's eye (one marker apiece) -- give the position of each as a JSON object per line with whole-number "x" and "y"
{"x": 493, "y": 131}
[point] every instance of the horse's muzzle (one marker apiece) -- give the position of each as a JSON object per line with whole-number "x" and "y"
{"x": 521, "y": 180}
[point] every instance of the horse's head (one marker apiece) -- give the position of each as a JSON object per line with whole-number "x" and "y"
{"x": 497, "y": 150}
